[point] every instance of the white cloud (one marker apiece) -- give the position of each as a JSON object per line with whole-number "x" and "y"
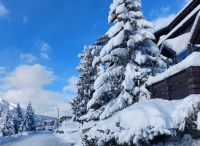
{"x": 3, "y": 10}
{"x": 71, "y": 87}
{"x": 163, "y": 21}
{"x": 44, "y": 55}
{"x": 28, "y": 57}
{"x": 26, "y": 76}
{"x": 25, "y": 19}
{"x": 26, "y": 83}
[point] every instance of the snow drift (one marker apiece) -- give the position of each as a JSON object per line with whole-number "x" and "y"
{"x": 145, "y": 120}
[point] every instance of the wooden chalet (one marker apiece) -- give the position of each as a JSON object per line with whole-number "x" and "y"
{"x": 176, "y": 41}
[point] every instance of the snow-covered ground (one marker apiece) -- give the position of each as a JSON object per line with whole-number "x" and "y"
{"x": 72, "y": 132}
{"x": 36, "y": 139}
{"x": 144, "y": 120}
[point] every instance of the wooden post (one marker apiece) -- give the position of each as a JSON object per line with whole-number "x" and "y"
{"x": 190, "y": 49}
{"x": 167, "y": 87}
{"x": 167, "y": 62}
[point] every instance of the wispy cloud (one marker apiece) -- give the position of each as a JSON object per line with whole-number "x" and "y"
{"x": 160, "y": 12}
{"x": 162, "y": 21}
{"x": 44, "y": 47}
{"x": 3, "y": 10}
{"x": 44, "y": 55}
{"x": 71, "y": 87}
{"x": 2, "y": 70}
{"x": 28, "y": 57}
{"x": 25, "y": 19}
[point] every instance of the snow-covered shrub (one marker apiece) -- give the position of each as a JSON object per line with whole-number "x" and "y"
{"x": 186, "y": 140}
{"x": 145, "y": 121}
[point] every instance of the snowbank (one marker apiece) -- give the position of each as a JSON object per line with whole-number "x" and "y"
{"x": 72, "y": 132}
{"x": 191, "y": 60}
{"x": 69, "y": 126}
{"x": 145, "y": 120}
{"x": 12, "y": 137}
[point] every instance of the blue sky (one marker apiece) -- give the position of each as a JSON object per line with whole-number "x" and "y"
{"x": 40, "y": 41}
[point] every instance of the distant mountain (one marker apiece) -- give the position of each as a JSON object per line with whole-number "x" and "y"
{"x": 11, "y": 107}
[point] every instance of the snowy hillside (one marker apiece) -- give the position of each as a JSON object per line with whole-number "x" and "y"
{"x": 11, "y": 107}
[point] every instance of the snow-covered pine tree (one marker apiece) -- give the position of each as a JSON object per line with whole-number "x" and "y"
{"x": 6, "y": 123}
{"x": 128, "y": 55}
{"x": 18, "y": 119}
{"x": 29, "y": 121}
{"x": 85, "y": 81}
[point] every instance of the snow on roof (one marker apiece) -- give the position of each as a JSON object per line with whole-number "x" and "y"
{"x": 189, "y": 2}
{"x": 179, "y": 43}
{"x": 48, "y": 121}
{"x": 180, "y": 24}
{"x": 144, "y": 120}
{"x": 195, "y": 23}
{"x": 191, "y": 60}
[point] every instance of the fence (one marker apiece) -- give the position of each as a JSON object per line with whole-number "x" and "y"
{"x": 178, "y": 86}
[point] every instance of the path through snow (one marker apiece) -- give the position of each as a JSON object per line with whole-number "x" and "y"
{"x": 37, "y": 139}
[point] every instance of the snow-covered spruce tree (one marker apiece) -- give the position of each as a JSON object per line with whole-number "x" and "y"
{"x": 29, "y": 120}
{"x": 6, "y": 124}
{"x": 18, "y": 119}
{"x": 91, "y": 113}
{"x": 128, "y": 54}
{"x": 85, "y": 81}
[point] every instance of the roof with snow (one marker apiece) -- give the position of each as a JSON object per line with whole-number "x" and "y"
{"x": 183, "y": 30}
{"x": 180, "y": 20}
{"x": 187, "y": 9}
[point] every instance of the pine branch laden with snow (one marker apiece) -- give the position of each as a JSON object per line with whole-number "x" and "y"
{"x": 128, "y": 54}
{"x": 88, "y": 71}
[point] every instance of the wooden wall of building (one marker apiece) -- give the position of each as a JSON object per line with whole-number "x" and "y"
{"x": 178, "y": 86}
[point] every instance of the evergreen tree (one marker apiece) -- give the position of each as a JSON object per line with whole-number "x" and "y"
{"x": 128, "y": 54}
{"x": 85, "y": 81}
{"x": 29, "y": 121}
{"x": 6, "y": 123}
{"x": 18, "y": 119}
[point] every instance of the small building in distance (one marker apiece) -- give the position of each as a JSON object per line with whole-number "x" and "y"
{"x": 65, "y": 118}
{"x": 49, "y": 122}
